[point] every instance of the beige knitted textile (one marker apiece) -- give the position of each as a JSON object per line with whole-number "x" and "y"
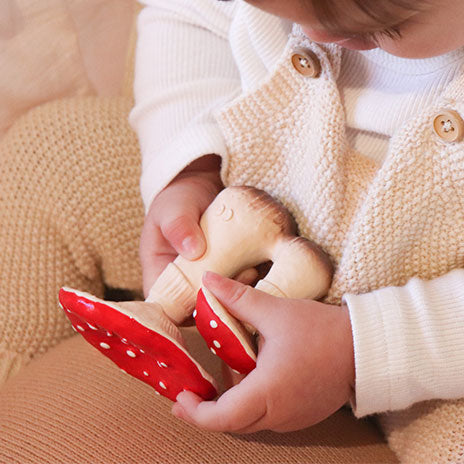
{"x": 381, "y": 225}
{"x": 71, "y": 215}
{"x": 64, "y": 219}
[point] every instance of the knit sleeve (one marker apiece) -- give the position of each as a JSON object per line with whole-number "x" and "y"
{"x": 184, "y": 72}
{"x": 409, "y": 343}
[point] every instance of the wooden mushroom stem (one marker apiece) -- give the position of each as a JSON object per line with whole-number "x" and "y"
{"x": 245, "y": 227}
{"x": 299, "y": 270}
{"x": 241, "y": 226}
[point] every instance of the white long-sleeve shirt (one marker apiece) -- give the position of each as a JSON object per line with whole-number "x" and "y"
{"x": 194, "y": 57}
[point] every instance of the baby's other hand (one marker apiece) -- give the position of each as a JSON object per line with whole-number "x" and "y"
{"x": 305, "y": 365}
{"x": 171, "y": 225}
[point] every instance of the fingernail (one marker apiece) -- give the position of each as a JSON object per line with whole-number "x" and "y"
{"x": 212, "y": 279}
{"x": 191, "y": 245}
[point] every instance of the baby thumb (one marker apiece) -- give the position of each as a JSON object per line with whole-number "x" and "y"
{"x": 247, "y": 304}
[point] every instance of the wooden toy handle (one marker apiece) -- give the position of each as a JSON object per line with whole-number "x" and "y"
{"x": 297, "y": 271}
{"x": 244, "y": 227}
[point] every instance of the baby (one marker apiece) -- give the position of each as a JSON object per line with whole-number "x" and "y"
{"x": 349, "y": 113}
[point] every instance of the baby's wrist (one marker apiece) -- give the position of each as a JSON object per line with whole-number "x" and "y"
{"x": 207, "y": 167}
{"x": 349, "y": 344}
{"x": 206, "y": 163}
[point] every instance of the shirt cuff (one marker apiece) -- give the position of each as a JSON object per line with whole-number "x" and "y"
{"x": 193, "y": 143}
{"x": 408, "y": 343}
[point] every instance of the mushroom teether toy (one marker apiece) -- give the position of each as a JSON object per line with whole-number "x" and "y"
{"x": 243, "y": 227}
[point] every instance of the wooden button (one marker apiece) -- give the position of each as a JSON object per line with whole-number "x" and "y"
{"x": 449, "y": 126}
{"x": 306, "y": 63}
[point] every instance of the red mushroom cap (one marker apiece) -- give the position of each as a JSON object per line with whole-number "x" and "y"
{"x": 151, "y": 355}
{"x": 225, "y": 336}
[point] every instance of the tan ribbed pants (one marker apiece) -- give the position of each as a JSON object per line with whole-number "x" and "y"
{"x": 70, "y": 214}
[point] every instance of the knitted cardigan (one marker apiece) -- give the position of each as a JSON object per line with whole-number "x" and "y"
{"x": 382, "y": 226}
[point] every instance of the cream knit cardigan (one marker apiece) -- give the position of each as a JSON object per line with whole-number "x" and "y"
{"x": 395, "y": 232}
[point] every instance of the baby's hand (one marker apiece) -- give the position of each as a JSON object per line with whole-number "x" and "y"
{"x": 172, "y": 223}
{"x": 305, "y": 365}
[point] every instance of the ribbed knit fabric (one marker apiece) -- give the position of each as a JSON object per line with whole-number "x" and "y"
{"x": 381, "y": 92}
{"x": 70, "y": 215}
{"x": 73, "y": 406}
{"x": 188, "y": 130}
